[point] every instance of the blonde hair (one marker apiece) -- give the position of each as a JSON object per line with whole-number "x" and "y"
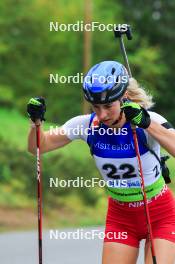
{"x": 137, "y": 94}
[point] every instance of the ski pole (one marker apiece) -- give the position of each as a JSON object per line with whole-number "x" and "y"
{"x": 118, "y": 32}
{"x": 39, "y": 194}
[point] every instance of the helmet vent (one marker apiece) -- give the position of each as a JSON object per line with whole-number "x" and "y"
{"x": 113, "y": 70}
{"x": 106, "y": 81}
{"x": 117, "y": 80}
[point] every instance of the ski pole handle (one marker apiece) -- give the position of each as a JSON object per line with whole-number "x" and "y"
{"x": 121, "y": 30}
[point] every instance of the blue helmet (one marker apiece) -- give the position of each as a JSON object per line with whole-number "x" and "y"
{"x": 105, "y": 82}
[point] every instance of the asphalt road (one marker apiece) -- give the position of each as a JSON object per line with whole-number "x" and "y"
{"x": 21, "y": 248}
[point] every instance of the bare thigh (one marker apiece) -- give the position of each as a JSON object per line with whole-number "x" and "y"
{"x": 164, "y": 251}
{"x": 119, "y": 253}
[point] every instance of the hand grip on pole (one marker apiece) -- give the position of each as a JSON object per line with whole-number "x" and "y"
{"x": 119, "y": 31}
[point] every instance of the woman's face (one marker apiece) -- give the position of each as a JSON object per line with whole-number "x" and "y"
{"x": 108, "y": 113}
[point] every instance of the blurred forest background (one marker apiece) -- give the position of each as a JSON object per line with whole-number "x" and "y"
{"x": 29, "y": 52}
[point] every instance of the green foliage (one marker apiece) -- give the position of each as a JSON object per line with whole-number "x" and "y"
{"x": 29, "y": 52}
{"x": 7, "y": 97}
{"x": 153, "y": 22}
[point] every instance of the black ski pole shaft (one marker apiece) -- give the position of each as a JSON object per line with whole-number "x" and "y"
{"x": 122, "y": 47}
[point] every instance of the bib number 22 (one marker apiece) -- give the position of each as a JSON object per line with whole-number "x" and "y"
{"x": 129, "y": 171}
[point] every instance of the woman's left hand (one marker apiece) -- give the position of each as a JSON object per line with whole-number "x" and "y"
{"x": 136, "y": 114}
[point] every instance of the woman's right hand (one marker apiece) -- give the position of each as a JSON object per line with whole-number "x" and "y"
{"x": 36, "y": 109}
{"x": 49, "y": 140}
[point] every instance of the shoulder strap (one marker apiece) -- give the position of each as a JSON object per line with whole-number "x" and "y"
{"x": 91, "y": 119}
{"x": 90, "y": 138}
{"x": 152, "y": 152}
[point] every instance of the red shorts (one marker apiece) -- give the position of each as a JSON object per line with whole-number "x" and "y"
{"x": 126, "y": 221}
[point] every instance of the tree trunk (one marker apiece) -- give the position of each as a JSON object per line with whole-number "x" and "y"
{"x": 87, "y": 47}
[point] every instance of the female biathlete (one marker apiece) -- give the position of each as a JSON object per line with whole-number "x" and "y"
{"x": 119, "y": 103}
